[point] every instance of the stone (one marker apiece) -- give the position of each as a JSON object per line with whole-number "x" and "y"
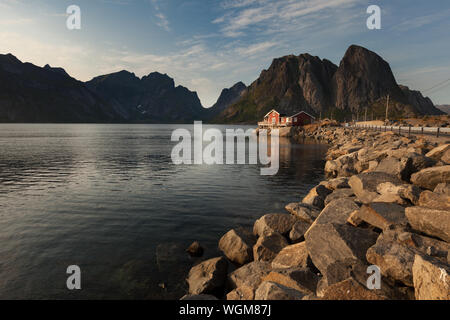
{"x": 413, "y": 162}
{"x": 316, "y": 196}
{"x": 337, "y": 211}
{"x": 429, "y": 178}
{"x": 364, "y": 185}
{"x": 443, "y": 188}
{"x": 336, "y": 183}
{"x": 268, "y": 246}
{"x": 303, "y": 211}
{"x": 334, "y": 248}
{"x": 198, "y": 297}
{"x": 274, "y": 291}
{"x": 298, "y": 278}
{"x": 400, "y": 194}
{"x": 434, "y": 200}
{"x": 237, "y": 245}
{"x": 208, "y": 276}
{"x": 249, "y": 275}
{"x": 431, "y": 279}
{"x": 281, "y": 223}
{"x": 338, "y": 194}
{"x": 391, "y": 166}
{"x": 354, "y": 219}
{"x": 195, "y": 249}
{"x": 381, "y": 214}
{"x": 241, "y": 293}
{"x": 438, "y": 152}
{"x": 350, "y": 289}
{"x": 295, "y": 255}
{"x": 297, "y": 233}
{"x": 430, "y": 221}
{"x": 446, "y": 157}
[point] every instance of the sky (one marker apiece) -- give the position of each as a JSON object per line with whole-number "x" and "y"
{"x": 208, "y": 45}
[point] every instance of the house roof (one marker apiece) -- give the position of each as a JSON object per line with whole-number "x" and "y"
{"x": 271, "y": 112}
{"x": 304, "y": 113}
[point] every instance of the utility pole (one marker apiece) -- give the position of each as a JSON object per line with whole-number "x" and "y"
{"x": 387, "y": 108}
{"x": 365, "y": 115}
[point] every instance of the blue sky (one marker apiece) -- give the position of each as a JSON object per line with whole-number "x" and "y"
{"x": 207, "y": 45}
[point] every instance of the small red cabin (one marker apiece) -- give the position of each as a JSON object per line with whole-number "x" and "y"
{"x": 274, "y": 119}
{"x": 302, "y": 118}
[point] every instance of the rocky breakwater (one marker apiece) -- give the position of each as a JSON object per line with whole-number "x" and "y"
{"x": 386, "y": 203}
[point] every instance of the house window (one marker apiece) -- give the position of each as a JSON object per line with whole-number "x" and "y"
{"x": 273, "y": 120}
{"x": 295, "y": 119}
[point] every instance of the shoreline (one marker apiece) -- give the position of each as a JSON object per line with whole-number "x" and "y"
{"x": 385, "y": 205}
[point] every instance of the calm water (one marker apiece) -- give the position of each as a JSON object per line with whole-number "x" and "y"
{"x": 109, "y": 199}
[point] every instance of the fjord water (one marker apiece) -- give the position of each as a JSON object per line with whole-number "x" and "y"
{"x": 109, "y": 199}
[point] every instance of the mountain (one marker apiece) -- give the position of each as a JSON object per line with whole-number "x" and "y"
{"x": 444, "y": 108}
{"x": 24, "y": 95}
{"x": 295, "y": 83}
{"x": 151, "y": 99}
{"x": 227, "y": 97}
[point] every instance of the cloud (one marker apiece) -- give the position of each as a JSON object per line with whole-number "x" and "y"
{"x": 162, "y": 20}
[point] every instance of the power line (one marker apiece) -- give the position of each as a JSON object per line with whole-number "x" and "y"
{"x": 437, "y": 89}
{"x": 436, "y": 85}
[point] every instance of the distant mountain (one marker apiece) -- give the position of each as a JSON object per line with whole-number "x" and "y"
{"x": 151, "y": 99}
{"x": 295, "y": 83}
{"x": 227, "y": 97}
{"x": 444, "y": 108}
{"x": 32, "y": 94}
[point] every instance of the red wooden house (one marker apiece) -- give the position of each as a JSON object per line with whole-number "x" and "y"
{"x": 274, "y": 119}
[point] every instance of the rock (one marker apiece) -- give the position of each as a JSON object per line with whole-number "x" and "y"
{"x": 438, "y": 152}
{"x": 334, "y": 248}
{"x": 241, "y": 293}
{"x": 237, "y": 245}
{"x": 195, "y": 249}
{"x": 443, "y": 188}
{"x": 303, "y": 211}
{"x": 391, "y": 166}
{"x": 295, "y": 255}
{"x": 430, "y": 221}
{"x": 338, "y": 194}
{"x": 434, "y": 200}
{"x": 381, "y": 214}
{"x": 316, "y": 196}
{"x": 281, "y": 223}
{"x": 249, "y": 275}
{"x": 354, "y": 219}
{"x": 413, "y": 162}
{"x": 298, "y": 231}
{"x": 208, "y": 276}
{"x": 268, "y": 246}
{"x": 301, "y": 279}
{"x": 399, "y": 194}
{"x": 337, "y": 211}
{"x": 431, "y": 279}
{"x": 364, "y": 185}
{"x": 336, "y": 183}
{"x": 343, "y": 166}
{"x": 350, "y": 289}
{"x": 446, "y": 157}
{"x": 429, "y": 178}
{"x": 274, "y": 291}
{"x": 198, "y": 297}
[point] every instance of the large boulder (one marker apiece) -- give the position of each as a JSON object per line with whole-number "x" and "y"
{"x": 413, "y": 162}
{"x": 400, "y": 194}
{"x": 295, "y": 255}
{"x": 438, "y": 152}
{"x": 302, "y": 211}
{"x": 431, "y": 279}
{"x": 336, "y": 183}
{"x": 241, "y": 293}
{"x": 237, "y": 245}
{"x": 274, "y": 222}
{"x": 316, "y": 196}
{"x": 429, "y": 178}
{"x": 381, "y": 214}
{"x": 364, "y": 185}
{"x": 446, "y": 157}
{"x": 430, "y": 221}
{"x": 434, "y": 200}
{"x": 339, "y": 194}
{"x": 443, "y": 188}
{"x": 249, "y": 275}
{"x": 298, "y": 231}
{"x": 273, "y": 291}
{"x": 344, "y": 166}
{"x": 268, "y": 246}
{"x": 298, "y": 278}
{"x": 208, "y": 276}
{"x": 334, "y": 248}
{"x": 350, "y": 289}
